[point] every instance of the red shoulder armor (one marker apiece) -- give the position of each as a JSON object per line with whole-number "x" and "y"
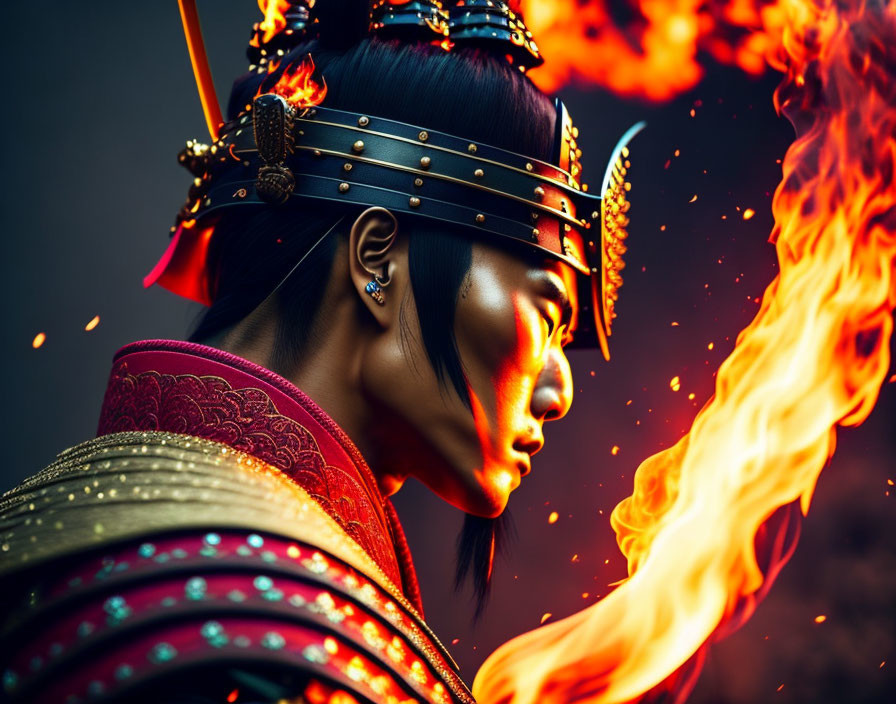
{"x": 261, "y": 612}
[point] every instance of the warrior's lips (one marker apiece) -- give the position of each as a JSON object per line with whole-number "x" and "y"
{"x": 524, "y": 448}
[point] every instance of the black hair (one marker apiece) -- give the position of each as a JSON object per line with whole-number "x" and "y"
{"x": 467, "y": 93}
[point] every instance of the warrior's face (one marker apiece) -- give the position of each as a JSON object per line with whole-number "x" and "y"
{"x": 513, "y": 320}
{"x": 514, "y": 314}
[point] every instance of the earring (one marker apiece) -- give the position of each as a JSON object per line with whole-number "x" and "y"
{"x": 375, "y": 290}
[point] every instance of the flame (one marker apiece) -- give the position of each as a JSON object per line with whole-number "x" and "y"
{"x": 94, "y": 321}
{"x": 38, "y": 340}
{"x": 298, "y": 86}
{"x": 655, "y": 56}
{"x": 814, "y": 357}
{"x": 274, "y": 21}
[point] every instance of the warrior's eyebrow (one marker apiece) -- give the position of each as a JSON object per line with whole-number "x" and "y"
{"x": 552, "y": 291}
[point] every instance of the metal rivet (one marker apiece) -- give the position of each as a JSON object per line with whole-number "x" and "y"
{"x": 423, "y": 136}
{"x": 425, "y": 162}
{"x": 529, "y": 166}
{"x": 317, "y": 152}
{"x": 480, "y": 218}
{"x": 363, "y": 121}
{"x": 534, "y": 215}
{"x": 358, "y": 147}
{"x": 479, "y": 173}
{"x": 343, "y": 187}
{"x": 539, "y": 192}
{"x": 472, "y": 149}
{"x": 346, "y": 167}
{"x": 535, "y": 234}
{"x": 595, "y": 215}
{"x": 414, "y": 202}
{"x": 418, "y": 182}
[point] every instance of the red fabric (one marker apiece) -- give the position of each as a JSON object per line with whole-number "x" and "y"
{"x": 182, "y": 268}
{"x": 181, "y": 387}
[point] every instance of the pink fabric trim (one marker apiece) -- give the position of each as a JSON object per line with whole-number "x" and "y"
{"x": 294, "y": 396}
{"x": 244, "y": 404}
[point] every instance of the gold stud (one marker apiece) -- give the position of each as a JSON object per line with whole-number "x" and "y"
{"x": 472, "y": 149}
{"x": 529, "y": 166}
{"x": 317, "y": 152}
{"x": 567, "y": 227}
{"x": 358, "y": 147}
{"x": 363, "y": 121}
{"x": 343, "y": 187}
{"x": 346, "y": 166}
{"x": 535, "y": 234}
{"x": 423, "y": 136}
{"x": 595, "y": 215}
{"x": 480, "y": 218}
{"x": 479, "y": 173}
{"x": 534, "y": 215}
{"x": 414, "y": 202}
{"x": 539, "y": 192}
{"x": 425, "y": 162}
{"x": 418, "y": 182}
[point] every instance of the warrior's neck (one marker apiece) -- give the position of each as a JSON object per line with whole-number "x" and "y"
{"x": 329, "y": 369}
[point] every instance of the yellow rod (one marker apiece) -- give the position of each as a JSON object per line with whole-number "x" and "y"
{"x": 190, "y": 18}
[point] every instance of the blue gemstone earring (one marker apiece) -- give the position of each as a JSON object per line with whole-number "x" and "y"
{"x": 375, "y": 290}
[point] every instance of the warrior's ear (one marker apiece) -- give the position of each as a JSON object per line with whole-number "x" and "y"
{"x": 373, "y": 261}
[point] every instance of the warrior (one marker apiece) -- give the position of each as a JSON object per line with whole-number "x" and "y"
{"x": 396, "y": 246}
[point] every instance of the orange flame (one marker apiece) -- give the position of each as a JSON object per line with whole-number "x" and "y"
{"x": 655, "y": 56}
{"x": 274, "y": 18}
{"x": 814, "y": 357}
{"x": 298, "y": 85}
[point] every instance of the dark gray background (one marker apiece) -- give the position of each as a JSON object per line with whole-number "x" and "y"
{"x": 99, "y": 98}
